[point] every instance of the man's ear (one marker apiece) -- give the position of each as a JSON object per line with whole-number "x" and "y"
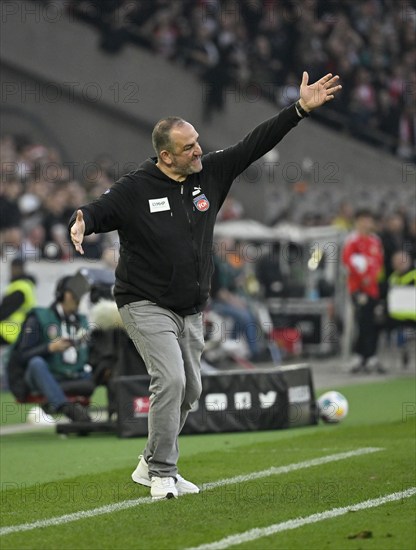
{"x": 166, "y": 157}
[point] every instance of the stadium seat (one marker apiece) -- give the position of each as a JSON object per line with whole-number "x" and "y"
{"x": 76, "y": 391}
{"x": 38, "y": 399}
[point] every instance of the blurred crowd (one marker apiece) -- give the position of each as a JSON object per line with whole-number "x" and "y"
{"x": 248, "y": 49}
{"x": 39, "y": 192}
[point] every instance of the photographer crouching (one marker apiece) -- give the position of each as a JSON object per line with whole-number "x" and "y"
{"x": 51, "y": 354}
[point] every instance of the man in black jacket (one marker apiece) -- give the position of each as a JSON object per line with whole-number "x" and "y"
{"x": 165, "y": 213}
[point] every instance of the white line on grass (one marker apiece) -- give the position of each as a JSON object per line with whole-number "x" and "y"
{"x": 257, "y": 533}
{"x": 274, "y": 470}
{"x": 124, "y": 505}
{"x": 67, "y": 518}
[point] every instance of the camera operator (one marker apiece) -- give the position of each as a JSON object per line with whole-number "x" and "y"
{"x": 51, "y": 354}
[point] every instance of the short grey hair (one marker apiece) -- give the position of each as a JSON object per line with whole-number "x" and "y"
{"x": 161, "y": 133}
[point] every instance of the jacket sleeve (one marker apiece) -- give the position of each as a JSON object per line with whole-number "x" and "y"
{"x": 31, "y": 344}
{"x": 11, "y": 303}
{"x": 228, "y": 163}
{"x": 108, "y": 212}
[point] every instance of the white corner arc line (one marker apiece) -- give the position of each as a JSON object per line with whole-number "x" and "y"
{"x": 257, "y": 533}
{"x": 126, "y": 504}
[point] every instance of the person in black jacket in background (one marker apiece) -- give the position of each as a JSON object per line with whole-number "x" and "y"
{"x": 165, "y": 214}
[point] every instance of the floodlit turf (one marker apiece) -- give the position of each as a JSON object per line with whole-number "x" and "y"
{"x": 44, "y": 476}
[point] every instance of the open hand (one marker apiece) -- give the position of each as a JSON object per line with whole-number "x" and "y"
{"x": 77, "y": 232}
{"x": 315, "y": 95}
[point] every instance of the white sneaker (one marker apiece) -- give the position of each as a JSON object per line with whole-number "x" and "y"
{"x": 373, "y": 364}
{"x": 163, "y": 487}
{"x": 356, "y": 364}
{"x": 141, "y": 475}
{"x": 185, "y": 487}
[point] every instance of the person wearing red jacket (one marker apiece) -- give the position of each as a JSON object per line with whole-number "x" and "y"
{"x": 363, "y": 258}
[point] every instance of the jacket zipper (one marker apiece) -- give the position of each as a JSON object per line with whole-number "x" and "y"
{"x": 198, "y": 285}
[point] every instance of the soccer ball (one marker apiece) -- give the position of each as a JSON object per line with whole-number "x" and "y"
{"x": 332, "y": 406}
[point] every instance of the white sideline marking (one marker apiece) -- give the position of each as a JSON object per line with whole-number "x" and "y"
{"x": 254, "y": 534}
{"x": 67, "y": 518}
{"x": 290, "y": 467}
{"x": 124, "y": 505}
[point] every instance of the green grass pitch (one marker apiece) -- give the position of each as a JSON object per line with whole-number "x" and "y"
{"x": 44, "y": 476}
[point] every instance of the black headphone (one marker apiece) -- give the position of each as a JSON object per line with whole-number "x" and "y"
{"x": 61, "y": 286}
{"x": 101, "y": 291}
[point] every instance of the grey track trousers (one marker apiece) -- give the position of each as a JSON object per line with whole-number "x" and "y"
{"x": 171, "y": 347}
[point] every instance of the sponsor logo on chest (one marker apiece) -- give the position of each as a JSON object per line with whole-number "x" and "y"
{"x": 201, "y": 203}
{"x": 159, "y": 205}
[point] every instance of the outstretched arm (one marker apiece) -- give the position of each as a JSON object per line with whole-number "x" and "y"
{"x": 230, "y": 162}
{"x": 322, "y": 91}
{"x": 107, "y": 213}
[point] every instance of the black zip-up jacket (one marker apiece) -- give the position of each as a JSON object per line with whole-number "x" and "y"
{"x": 166, "y": 228}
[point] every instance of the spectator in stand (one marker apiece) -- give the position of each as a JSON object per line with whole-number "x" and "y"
{"x": 232, "y": 209}
{"x": 203, "y": 54}
{"x": 288, "y": 90}
{"x": 281, "y": 35}
{"x": 10, "y": 216}
{"x": 228, "y": 295}
{"x": 393, "y": 238}
{"x": 204, "y": 58}
{"x": 266, "y": 71}
{"x": 164, "y": 33}
{"x": 363, "y": 105}
{"x": 362, "y": 256}
{"x": 343, "y": 39}
{"x": 388, "y": 114}
{"x": 407, "y": 133}
{"x": 34, "y": 240}
{"x": 372, "y": 39}
{"x": 269, "y": 271}
{"x": 116, "y": 22}
{"x": 56, "y": 213}
{"x": 402, "y": 308}
{"x": 310, "y": 40}
{"x": 345, "y": 216}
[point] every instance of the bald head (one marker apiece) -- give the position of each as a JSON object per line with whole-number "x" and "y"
{"x": 178, "y": 151}
{"x": 161, "y": 135}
